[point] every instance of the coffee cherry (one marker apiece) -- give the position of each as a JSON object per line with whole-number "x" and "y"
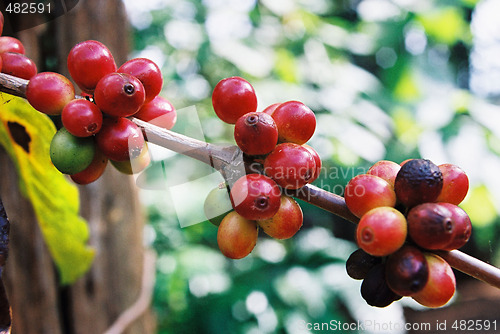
{"x": 317, "y": 160}
{"x": 133, "y": 165}
{"x": 296, "y": 122}
{"x": 365, "y": 192}
{"x": 441, "y": 284}
{"x": 18, "y": 65}
{"x": 463, "y": 227}
{"x": 11, "y": 44}
{"x": 119, "y": 94}
{"x": 159, "y": 112}
{"x": 256, "y": 133}
{"x": 455, "y": 184}
{"x": 93, "y": 171}
{"x": 1, "y": 23}
{"x": 232, "y": 98}
{"x": 286, "y": 222}
{"x": 359, "y": 264}
{"x": 217, "y": 204}
{"x": 375, "y": 290}
{"x": 82, "y": 118}
{"x": 381, "y": 231}
{"x": 120, "y": 139}
{"x": 236, "y": 236}
{"x": 290, "y": 165}
{"x": 271, "y": 108}
{"x": 431, "y": 225}
{"x": 386, "y": 170}
{"x": 71, "y": 154}
{"x": 50, "y": 92}
{"x": 88, "y": 62}
{"x": 406, "y": 271}
{"x": 255, "y": 197}
{"x": 147, "y": 72}
{"x": 418, "y": 181}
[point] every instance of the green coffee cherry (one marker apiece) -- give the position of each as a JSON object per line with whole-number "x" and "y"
{"x": 217, "y": 205}
{"x": 71, "y": 154}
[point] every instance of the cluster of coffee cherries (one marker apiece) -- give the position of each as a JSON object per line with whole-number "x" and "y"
{"x": 13, "y": 60}
{"x": 407, "y": 211}
{"x": 274, "y": 140}
{"x": 96, "y": 127}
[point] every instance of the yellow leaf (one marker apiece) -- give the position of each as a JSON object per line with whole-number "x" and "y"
{"x": 26, "y": 134}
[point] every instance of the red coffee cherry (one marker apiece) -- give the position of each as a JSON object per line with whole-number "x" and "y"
{"x": 455, "y": 184}
{"x": 88, "y": 62}
{"x": 441, "y": 284}
{"x": 463, "y": 226}
{"x": 296, "y": 122}
{"x": 159, "y": 112}
{"x": 365, "y": 192}
{"x": 317, "y": 160}
{"x": 256, "y": 133}
{"x": 271, "y": 108}
{"x": 49, "y": 92}
{"x": 232, "y": 98}
{"x": 406, "y": 271}
{"x": 236, "y": 236}
{"x": 18, "y": 65}
{"x": 93, "y": 171}
{"x": 418, "y": 181}
{"x": 147, "y": 72}
{"x": 119, "y": 94}
{"x": 1, "y": 23}
{"x": 82, "y": 118}
{"x": 255, "y": 197}
{"x": 120, "y": 139}
{"x": 386, "y": 170}
{"x": 431, "y": 225}
{"x": 286, "y": 222}
{"x": 375, "y": 290}
{"x": 359, "y": 264}
{"x": 381, "y": 231}
{"x": 290, "y": 165}
{"x": 11, "y": 44}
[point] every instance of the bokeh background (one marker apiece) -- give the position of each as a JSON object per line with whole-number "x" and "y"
{"x": 387, "y": 79}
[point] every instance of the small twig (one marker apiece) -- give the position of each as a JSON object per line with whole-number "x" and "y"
{"x": 227, "y": 158}
{"x": 143, "y": 302}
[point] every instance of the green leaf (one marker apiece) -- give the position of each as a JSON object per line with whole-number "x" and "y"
{"x": 26, "y": 134}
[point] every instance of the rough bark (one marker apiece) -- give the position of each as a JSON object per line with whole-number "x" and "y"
{"x": 39, "y": 303}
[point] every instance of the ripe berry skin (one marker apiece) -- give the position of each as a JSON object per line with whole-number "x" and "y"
{"x": 93, "y": 171}
{"x": 365, "y": 192}
{"x": 88, "y": 62}
{"x": 159, "y": 112}
{"x": 11, "y": 44}
{"x": 296, "y": 122}
{"x": 256, "y": 133}
{"x": 120, "y": 139}
{"x": 50, "y": 92}
{"x": 236, "y": 236}
{"x": 455, "y": 184}
{"x": 406, "y": 271}
{"x": 386, "y": 170}
{"x": 271, "y": 108}
{"x": 1, "y": 23}
{"x": 82, "y": 118}
{"x": 381, "y": 231}
{"x": 418, "y": 181}
{"x": 71, "y": 154}
{"x": 232, "y": 98}
{"x": 286, "y": 222}
{"x": 18, "y": 65}
{"x": 431, "y": 225}
{"x": 317, "y": 160}
{"x": 359, "y": 264}
{"x": 290, "y": 165}
{"x": 147, "y": 72}
{"x": 463, "y": 227}
{"x": 441, "y": 284}
{"x": 255, "y": 197}
{"x": 119, "y": 94}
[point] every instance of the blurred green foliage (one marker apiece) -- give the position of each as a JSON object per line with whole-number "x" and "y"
{"x": 386, "y": 79}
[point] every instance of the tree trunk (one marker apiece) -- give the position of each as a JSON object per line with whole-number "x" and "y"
{"x": 39, "y": 303}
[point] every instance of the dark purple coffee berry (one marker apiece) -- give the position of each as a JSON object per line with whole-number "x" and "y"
{"x": 375, "y": 290}
{"x": 406, "y": 271}
{"x": 359, "y": 264}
